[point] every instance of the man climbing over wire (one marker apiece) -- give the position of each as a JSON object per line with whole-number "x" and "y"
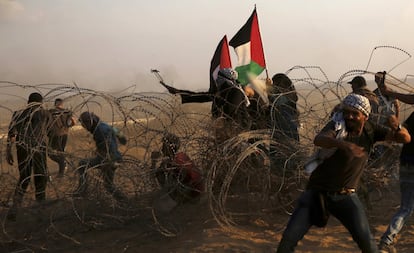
{"x": 107, "y": 155}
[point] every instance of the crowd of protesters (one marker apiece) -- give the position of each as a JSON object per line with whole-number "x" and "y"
{"x": 361, "y": 119}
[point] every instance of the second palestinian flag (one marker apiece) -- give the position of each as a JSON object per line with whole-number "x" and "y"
{"x": 247, "y": 44}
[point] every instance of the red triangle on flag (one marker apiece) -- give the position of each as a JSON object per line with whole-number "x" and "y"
{"x": 221, "y": 60}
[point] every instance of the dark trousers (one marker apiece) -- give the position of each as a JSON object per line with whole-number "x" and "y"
{"x": 58, "y": 144}
{"x": 346, "y": 208}
{"x": 108, "y": 172}
{"x": 31, "y": 160}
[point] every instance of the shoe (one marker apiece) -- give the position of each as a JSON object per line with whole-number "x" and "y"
{"x": 386, "y": 248}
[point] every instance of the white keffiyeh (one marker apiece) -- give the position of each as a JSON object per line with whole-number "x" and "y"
{"x": 358, "y": 102}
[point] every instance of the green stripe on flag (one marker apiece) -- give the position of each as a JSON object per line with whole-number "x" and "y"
{"x": 243, "y": 71}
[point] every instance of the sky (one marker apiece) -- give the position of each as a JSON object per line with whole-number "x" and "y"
{"x": 109, "y": 45}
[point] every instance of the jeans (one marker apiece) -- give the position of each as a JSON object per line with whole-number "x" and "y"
{"x": 405, "y": 211}
{"x": 346, "y": 208}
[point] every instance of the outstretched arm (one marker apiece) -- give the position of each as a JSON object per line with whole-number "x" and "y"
{"x": 188, "y": 96}
{"x": 405, "y": 98}
{"x": 380, "y": 80}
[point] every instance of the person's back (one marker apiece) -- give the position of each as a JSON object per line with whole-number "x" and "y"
{"x": 106, "y": 142}
{"x": 104, "y": 136}
{"x": 284, "y": 114}
{"x": 30, "y": 126}
{"x": 28, "y": 129}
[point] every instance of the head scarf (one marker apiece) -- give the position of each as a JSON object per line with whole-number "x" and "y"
{"x": 89, "y": 120}
{"x": 358, "y": 102}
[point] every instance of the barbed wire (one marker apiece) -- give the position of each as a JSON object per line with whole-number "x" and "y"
{"x": 262, "y": 169}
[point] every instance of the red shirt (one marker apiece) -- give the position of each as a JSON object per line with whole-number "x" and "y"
{"x": 191, "y": 176}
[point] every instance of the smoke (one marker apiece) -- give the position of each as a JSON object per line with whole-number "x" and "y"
{"x": 10, "y": 10}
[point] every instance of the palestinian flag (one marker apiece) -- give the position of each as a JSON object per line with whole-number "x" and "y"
{"x": 220, "y": 60}
{"x": 247, "y": 44}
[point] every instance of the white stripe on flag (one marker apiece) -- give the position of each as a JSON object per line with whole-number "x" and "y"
{"x": 243, "y": 54}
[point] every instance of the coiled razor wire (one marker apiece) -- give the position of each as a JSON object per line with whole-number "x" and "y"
{"x": 252, "y": 173}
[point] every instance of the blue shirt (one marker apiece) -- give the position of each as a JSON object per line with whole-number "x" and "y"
{"x": 106, "y": 142}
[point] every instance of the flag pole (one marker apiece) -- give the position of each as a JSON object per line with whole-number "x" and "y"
{"x": 267, "y": 72}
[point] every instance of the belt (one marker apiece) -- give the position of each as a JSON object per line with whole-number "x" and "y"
{"x": 343, "y": 191}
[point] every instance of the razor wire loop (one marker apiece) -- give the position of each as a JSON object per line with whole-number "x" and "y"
{"x": 389, "y": 47}
{"x": 146, "y": 116}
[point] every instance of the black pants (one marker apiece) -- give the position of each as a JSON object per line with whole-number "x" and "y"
{"x": 58, "y": 144}
{"x": 31, "y": 160}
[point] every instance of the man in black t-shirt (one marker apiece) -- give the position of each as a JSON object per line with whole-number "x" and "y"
{"x": 332, "y": 185}
{"x": 29, "y": 129}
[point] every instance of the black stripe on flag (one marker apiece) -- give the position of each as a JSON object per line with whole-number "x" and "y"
{"x": 215, "y": 63}
{"x": 243, "y": 35}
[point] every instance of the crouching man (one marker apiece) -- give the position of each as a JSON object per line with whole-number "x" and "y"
{"x": 107, "y": 155}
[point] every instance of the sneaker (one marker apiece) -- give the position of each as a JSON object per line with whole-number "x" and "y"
{"x": 386, "y": 248}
